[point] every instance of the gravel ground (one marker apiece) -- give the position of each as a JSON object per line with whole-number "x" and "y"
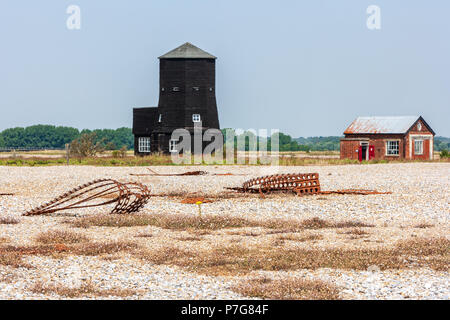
{"x": 420, "y": 195}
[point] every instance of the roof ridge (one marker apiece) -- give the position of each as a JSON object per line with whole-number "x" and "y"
{"x": 187, "y": 51}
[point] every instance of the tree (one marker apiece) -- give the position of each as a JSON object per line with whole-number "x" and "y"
{"x": 86, "y": 146}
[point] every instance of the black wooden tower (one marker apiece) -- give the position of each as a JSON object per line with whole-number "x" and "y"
{"x": 186, "y": 97}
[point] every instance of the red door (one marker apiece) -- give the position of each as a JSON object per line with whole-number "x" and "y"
{"x": 371, "y": 152}
{"x": 360, "y": 153}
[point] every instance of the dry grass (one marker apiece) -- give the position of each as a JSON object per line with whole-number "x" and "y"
{"x": 300, "y": 238}
{"x": 206, "y": 222}
{"x": 236, "y": 259}
{"x": 144, "y": 235}
{"x": 243, "y": 233}
{"x": 12, "y": 255}
{"x": 434, "y": 253}
{"x": 168, "y": 221}
{"x": 13, "y": 259}
{"x": 9, "y": 220}
{"x": 312, "y": 223}
{"x": 287, "y": 289}
{"x": 188, "y": 238}
{"x": 116, "y": 221}
{"x": 355, "y": 231}
{"x": 101, "y": 248}
{"x": 424, "y": 225}
{"x": 60, "y": 236}
{"x": 86, "y": 289}
{"x": 4, "y": 240}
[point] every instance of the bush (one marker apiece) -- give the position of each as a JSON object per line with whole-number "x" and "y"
{"x": 85, "y": 146}
{"x": 122, "y": 153}
{"x": 444, "y": 154}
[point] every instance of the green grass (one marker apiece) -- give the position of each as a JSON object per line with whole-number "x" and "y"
{"x": 160, "y": 160}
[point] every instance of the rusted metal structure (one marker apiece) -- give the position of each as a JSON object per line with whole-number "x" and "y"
{"x": 128, "y": 197}
{"x": 154, "y": 173}
{"x": 300, "y": 183}
{"x": 354, "y": 191}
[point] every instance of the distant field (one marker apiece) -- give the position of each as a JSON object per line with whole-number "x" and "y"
{"x": 58, "y": 157}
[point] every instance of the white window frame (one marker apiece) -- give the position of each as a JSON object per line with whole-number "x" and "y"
{"x": 144, "y": 144}
{"x": 426, "y": 136}
{"x": 390, "y": 149}
{"x": 173, "y": 145}
{"x": 160, "y": 118}
{"x": 196, "y": 117}
{"x": 416, "y": 143}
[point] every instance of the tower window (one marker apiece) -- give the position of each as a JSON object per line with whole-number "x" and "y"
{"x": 196, "y": 118}
{"x": 196, "y": 88}
{"x": 160, "y": 117}
{"x": 176, "y": 89}
{"x": 163, "y": 89}
{"x": 210, "y": 89}
{"x": 144, "y": 144}
{"x": 173, "y": 145}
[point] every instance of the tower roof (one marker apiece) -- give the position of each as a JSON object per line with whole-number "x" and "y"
{"x": 187, "y": 51}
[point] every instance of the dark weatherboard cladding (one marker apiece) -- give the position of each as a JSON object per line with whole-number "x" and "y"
{"x": 187, "y": 94}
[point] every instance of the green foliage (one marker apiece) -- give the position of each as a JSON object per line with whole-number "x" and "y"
{"x": 286, "y": 143}
{"x": 441, "y": 143}
{"x": 47, "y": 136}
{"x": 39, "y": 136}
{"x": 445, "y": 154}
{"x": 331, "y": 143}
{"x": 87, "y": 145}
{"x": 122, "y": 153}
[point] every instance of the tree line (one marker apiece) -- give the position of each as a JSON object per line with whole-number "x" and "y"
{"x": 55, "y": 137}
{"x": 48, "y": 136}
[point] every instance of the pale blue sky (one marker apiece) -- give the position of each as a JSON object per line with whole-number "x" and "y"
{"x": 307, "y": 68}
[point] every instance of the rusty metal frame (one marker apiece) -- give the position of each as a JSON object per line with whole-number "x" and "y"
{"x": 129, "y": 197}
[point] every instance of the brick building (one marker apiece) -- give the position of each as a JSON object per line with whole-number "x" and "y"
{"x": 391, "y": 138}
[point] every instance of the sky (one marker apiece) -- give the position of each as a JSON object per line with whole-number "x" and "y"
{"x": 307, "y": 68}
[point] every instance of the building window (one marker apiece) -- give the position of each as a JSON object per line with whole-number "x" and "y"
{"x": 211, "y": 89}
{"x": 173, "y": 145}
{"x": 176, "y": 89}
{"x": 196, "y": 118}
{"x": 392, "y": 148}
{"x": 144, "y": 144}
{"x": 160, "y": 117}
{"x": 418, "y": 146}
{"x": 162, "y": 89}
{"x": 196, "y": 88}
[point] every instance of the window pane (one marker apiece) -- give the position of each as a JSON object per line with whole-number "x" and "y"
{"x": 173, "y": 145}
{"x": 392, "y": 147}
{"x": 144, "y": 144}
{"x": 196, "y": 118}
{"x": 418, "y": 147}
